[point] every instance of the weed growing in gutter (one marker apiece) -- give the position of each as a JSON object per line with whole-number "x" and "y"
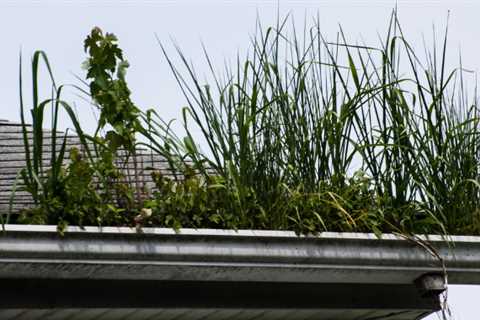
{"x": 302, "y": 134}
{"x": 285, "y": 126}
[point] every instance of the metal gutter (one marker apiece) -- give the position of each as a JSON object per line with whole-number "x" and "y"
{"x": 224, "y": 255}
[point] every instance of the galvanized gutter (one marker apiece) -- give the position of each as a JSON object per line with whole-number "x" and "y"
{"x": 156, "y": 273}
{"x": 224, "y": 255}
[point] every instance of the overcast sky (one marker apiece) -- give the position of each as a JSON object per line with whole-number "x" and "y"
{"x": 59, "y": 27}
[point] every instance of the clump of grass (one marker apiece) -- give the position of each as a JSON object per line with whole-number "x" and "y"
{"x": 313, "y": 135}
{"x": 57, "y": 200}
{"x": 420, "y": 140}
{"x": 276, "y": 127}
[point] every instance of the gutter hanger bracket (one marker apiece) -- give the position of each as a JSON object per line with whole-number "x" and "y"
{"x": 431, "y": 284}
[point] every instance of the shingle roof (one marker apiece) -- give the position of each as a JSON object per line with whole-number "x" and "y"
{"x": 12, "y": 160}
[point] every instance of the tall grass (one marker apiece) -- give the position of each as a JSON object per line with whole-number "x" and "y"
{"x": 34, "y": 175}
{"x": 303, "y": 133}
{"x": 312, "y": 134}
{"x": 61, "y": 193}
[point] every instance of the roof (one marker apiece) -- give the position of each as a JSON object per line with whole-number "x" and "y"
{"x": 100, "y": 273}
{"x": 12, "y": 160}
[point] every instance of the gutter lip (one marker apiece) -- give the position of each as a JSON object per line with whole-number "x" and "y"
{"x": 243, "y": 233}
{"x": 123, "y": 253}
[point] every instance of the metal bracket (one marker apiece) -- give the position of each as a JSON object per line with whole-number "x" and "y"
{"x": 431, "y": 284}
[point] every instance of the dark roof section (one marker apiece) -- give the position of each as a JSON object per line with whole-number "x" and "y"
{"x": 60, "y": 299}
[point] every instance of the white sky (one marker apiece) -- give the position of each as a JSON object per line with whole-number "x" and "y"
{"x": 59, "y": 27}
